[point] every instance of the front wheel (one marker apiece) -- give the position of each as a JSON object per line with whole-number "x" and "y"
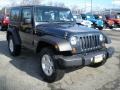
{"x": 50, "y": 71}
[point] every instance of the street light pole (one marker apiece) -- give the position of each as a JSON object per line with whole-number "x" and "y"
{"x": 85, "y": 6}
{"x": 91, "y": 6}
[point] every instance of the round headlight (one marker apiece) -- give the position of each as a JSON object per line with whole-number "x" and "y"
{"x": 101, "y": 37}
{"x": 73, "y": 40}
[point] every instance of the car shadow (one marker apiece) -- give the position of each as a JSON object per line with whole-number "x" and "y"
{"x": 27, "y": 62}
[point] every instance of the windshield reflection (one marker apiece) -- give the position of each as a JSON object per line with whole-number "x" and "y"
{"x": 51, "y": 15}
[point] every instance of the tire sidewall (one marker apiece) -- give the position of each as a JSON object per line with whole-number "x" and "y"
{"x": 11, "y": 38}
{"x": 44, "y": 76}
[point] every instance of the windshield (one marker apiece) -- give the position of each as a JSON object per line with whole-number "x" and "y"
{"x": 90, "y": 17}
{"x": 53, "y": 15}
{"x": 77, "y": 17}
{"x": 112, "y": 16}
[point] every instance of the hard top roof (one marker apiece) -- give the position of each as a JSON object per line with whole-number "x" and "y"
{"x": 44, "y": 7}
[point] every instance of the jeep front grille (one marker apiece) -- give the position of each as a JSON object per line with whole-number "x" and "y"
{"x": 88, "y": 43}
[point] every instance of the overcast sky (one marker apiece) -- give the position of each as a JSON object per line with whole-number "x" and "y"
{"x": 69, "y": 3}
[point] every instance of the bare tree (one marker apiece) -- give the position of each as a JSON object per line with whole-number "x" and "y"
{"x": 30, "y": 2}
{"x": 57, "y": 4}
{"x": 77, "y": 10}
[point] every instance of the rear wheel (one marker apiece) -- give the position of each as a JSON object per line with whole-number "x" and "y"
{"x": 49, "y": 67}
{"x": 14, "y": 49}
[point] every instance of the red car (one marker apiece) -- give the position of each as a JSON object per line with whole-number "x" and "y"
{"x": 4, "y": 22}
{"x": 115, "y": 19}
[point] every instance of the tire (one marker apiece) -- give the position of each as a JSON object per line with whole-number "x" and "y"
{"x": 54, "y": 74}
{"x": 94, "y": 26}
{"x": 105, "y": 26}
{"x": 115, "y": 26}
{"x": 15, "y": 50}
{"x": 0, "y": 28}
{"x": 111, "y": 27}
{"x": 96, "y": 65}
{"x": 100, "y": 28}
{"x": 5, "y": 28}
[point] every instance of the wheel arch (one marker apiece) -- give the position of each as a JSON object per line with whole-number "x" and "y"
{"x": 57, "y": 44}
{"x": 15, "y": 34}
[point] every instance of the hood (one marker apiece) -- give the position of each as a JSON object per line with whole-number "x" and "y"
{"x": 116, "y": 20}
{"x": 99, "y": 22}
{"x": 87, "y": 21}
{"x": 83, "y": 21}
{"x": 62, "y": 29}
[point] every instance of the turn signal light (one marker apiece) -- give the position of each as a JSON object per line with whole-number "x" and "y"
{"x": 74, "y": 50}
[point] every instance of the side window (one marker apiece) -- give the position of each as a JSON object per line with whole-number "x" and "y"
{"x": 26, "y": 14}
{"x": 38, "y": 15}
{"x": 15, "y": 15}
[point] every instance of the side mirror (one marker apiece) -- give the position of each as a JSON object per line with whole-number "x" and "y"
{"x": 27, "y": 21}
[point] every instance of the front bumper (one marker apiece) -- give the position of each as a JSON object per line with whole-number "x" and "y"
{"x": 83, "y": 60}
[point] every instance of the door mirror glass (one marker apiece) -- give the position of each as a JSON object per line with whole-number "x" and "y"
{"x": 27, "y": 15}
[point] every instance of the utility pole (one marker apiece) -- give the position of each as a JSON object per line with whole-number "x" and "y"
{"x": 85, "y": 6}
{"x": 91, "y": 6}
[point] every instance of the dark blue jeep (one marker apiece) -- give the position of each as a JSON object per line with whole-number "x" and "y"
{"x": 59, "y": 41}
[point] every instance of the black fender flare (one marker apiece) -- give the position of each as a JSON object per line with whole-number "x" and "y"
{"x": 15, "y": 34}
{"x": 108, "y": 40}
{"x": 60, "y": 43}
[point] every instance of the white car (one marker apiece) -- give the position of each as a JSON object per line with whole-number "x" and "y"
{"x": 83, "y": 22}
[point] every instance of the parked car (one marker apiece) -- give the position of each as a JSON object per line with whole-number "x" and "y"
{"x": 97, "y": 23}
{"x": 81, "y": 21}
{"x": 4, "y": 22}
{"x": 60, "y": 43}
{"x": 107, "y": 22}
{"x": 115, "y": 19}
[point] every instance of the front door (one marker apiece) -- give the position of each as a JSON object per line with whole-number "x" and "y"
{"x": 26, "y": 31}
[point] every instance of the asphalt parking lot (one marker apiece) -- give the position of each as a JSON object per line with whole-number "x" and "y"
{"x": 22, "y": 73}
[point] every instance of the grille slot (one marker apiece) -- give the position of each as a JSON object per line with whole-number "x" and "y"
{"x": 88, "y": 43}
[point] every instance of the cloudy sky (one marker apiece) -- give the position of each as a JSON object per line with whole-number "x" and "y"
{"x": 69, "y": 3}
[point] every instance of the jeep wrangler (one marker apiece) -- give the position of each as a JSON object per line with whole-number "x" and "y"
{"x": 54, "y": 35}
